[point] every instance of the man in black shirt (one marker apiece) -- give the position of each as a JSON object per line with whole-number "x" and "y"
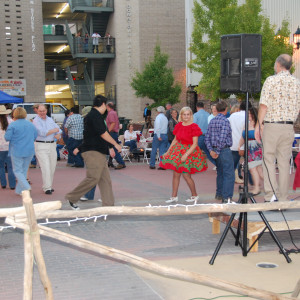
{"x": 97, "y": 143}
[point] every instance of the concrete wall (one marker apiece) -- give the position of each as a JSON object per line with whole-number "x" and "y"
{"x": 137, "y": 25}
{"x": 22, "y": 56}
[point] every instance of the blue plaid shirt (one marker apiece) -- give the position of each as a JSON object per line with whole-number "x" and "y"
{"x": 218, "y": 135}
{"x": 74, "y": 124}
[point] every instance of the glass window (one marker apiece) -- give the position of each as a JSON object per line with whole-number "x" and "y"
{"x": 29, "y": 109}
{"x": 57, "y": 109}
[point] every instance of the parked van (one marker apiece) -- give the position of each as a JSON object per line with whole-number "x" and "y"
{"x": 54, "y": 110}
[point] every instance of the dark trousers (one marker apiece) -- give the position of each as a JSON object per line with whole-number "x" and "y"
{"x": 225, "y": 174}
{"x": 118, "y": 157}
{"x": 77, "y": 159}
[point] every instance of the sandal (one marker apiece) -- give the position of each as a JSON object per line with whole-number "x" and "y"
{"x": 193, "y": 199}
{"x": 172, "y": 200}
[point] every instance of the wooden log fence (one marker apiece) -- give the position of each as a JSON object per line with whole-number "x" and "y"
{"x": 17, "y": 218}
{"x": 159, "y": 269}
{"x": 160, "y": 211}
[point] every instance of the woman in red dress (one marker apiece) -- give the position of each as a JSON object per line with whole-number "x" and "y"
{"x": 184, "y": 156}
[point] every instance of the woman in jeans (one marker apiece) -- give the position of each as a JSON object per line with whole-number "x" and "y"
{"x": 21, "y": 135}
{"x": 4, "y": 158}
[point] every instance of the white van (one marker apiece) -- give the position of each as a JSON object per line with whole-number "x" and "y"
{"x": 55, "y": 110}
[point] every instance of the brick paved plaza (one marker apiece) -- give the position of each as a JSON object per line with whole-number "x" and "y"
{"x": 179, "y": 241}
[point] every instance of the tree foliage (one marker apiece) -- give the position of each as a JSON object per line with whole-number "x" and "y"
{"x": 157, "y": 81}
{"x": 216, "y": 18}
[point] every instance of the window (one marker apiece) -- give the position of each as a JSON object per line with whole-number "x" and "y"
{"x": 57, "y": 109}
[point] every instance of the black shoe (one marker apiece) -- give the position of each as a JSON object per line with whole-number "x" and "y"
{"x": 52, "y": 190}
{"x": 48, "y": 192}
{"x": 160, "y": 168}
{"x": 151, "y": 167}
{"x": 73, "y": 206}
{"x": 119, "y": 166}
{"x": 79, "y": 166}
{"x": 12, "y": 188}
{"x": 218, "y": 197}
{"x": 4, "y": 186}
{"x": 110, "y": 165}
{"x": 58, "y": 158}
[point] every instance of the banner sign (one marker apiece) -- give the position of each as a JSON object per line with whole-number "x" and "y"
{"x": 13, "y": 87}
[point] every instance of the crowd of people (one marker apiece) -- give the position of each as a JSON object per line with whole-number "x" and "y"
{"x": 183, "y": 140}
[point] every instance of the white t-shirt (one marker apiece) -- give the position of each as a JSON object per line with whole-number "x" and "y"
{"x": 237, "y": 123}
{"x": 128, "y": 136}
{"x": 96, "y": 37}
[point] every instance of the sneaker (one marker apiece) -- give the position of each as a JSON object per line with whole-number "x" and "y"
{"x": 214, "y": 168}
{"x": 48, "y": 192}
{"x": 227, "y": 201}
{"x": 172, "y": 200}
{"x": 119, "y": 166}
{"x": 99, "y": 200}
{"x": 193, "y": 199}
{"x": 84, "y": 199}
{"x": 273, "y": 199}
{"x": 152, "y": 167}
{"x": 73, "y": 206}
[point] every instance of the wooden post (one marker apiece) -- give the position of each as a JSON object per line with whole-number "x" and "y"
{"x": 154, "y": 267}
{"x": 297, "y": 290}
{"x": 28, "y": 266}
{"x": 35, "y": 238}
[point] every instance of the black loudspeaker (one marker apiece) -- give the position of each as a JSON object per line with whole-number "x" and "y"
{"x": 240, "y": 63}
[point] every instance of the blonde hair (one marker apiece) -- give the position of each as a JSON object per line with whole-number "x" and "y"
{"x": 235, "y": 108}
{"x": 183, "y": 110}
{"x": 19, "y": 113}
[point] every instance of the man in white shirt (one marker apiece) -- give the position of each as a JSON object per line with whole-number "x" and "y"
{"x": 237, "y": 123}
{"x": 160, "y": 139}
{"x": 96, "y": 37}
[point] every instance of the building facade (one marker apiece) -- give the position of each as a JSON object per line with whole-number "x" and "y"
{"x": 44, "y": 44}
{"x": 22, "y": 47}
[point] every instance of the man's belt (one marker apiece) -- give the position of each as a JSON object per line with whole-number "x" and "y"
{"x": 280, "y": 122}
{"x": 45, "y": 142}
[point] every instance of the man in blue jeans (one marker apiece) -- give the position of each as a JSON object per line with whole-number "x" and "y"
{"x": 218, "y": 140}
{"x": 74, "y": 129}
{"x": 160, "y": 139}
{"x": 113, "y": 127}
{"x": 201, "y": 119}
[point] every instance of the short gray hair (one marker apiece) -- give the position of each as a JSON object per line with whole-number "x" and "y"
{"x": 161, "y": 109}
{"x": 285, "y": 61}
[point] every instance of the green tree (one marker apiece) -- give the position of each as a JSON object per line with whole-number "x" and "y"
{"x": 157, "y": 81}
{"x": 216, "y": 18}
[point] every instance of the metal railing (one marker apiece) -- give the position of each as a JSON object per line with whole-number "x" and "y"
{"x": 89, "y": 84}
{"x": 93, "y": 45}
{"x": 91, "y": 3}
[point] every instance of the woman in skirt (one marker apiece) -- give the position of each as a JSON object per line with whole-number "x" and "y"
{"x": 184, "y": 156}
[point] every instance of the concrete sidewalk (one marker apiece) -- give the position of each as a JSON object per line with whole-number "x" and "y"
{"x": 178, "y": 241}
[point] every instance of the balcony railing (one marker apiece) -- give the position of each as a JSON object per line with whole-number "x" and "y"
{"x": 89, "y": 45}
{"x": 91, "y": 5}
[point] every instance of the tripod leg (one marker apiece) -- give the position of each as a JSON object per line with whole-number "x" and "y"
{"x": 245, "y": 230}
{"x": 272, "y": 233}
{"x": 239, "y": 229}
{"x": 211, "y": 262}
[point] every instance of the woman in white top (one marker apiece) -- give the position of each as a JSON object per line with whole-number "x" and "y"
{"x": 130, "y": 138}
{"x": 4, "y": 158}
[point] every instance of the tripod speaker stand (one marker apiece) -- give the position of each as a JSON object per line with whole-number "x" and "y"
{"x": 244, "y": 197}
